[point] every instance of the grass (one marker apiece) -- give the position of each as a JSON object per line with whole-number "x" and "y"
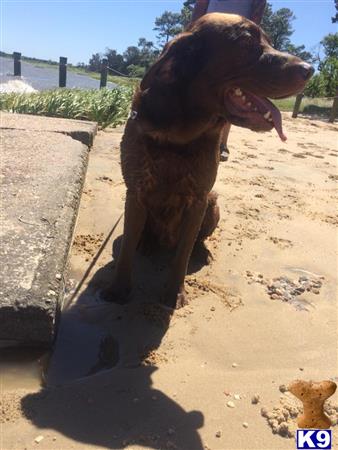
{"x": 309, "y": 106}
{"x": 107, "y": 107}
{"x": 121, "y": 81}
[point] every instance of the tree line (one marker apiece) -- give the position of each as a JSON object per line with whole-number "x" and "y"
{"x": 136, "y": 60}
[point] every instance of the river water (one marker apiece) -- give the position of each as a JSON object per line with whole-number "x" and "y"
{"x": 41, "y": 78}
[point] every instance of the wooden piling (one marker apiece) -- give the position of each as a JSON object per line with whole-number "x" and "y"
{"x": 104, "y": 73}
{"x": 62, "y": 72}
{"x": 334, "y": 109}
{"x": 17, "y": 64}
{"x": 297, "y": 105}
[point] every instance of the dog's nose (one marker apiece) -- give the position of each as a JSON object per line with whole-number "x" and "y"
{"x": 306, "y": 70}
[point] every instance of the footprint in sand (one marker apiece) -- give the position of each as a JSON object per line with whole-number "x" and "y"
{"x": 314, "y": 156}
{"x": 105, "y": 179}
{"x": 308, "y": 145}
{"x": 88, "y": 192}
{"x": 281, "y": 243}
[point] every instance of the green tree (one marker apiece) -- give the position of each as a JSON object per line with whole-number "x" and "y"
{"x": 278, "y": 25}
{"x": 186, "y": 12}
{"x": 329, "y": 72}
{"x": 168, "y": 25}
{"x": 94, "y": 63}
{"x": 324, "y": 84}
{"x": 316, "y": 87}
{"x": 330, "y": 45}
{"x": 115, "y": 60}
{"x": 141, "y": 56}
{"x": 132, "y": 56}
{"x": 135, "y": 71}
{"x": 335, "y": 17}
{"x": 148, "y": 52}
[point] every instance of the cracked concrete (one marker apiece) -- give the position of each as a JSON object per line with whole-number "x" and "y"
{"x": 42, "y": 178}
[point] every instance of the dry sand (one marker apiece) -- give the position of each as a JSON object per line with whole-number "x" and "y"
{"x": 134, "y": 377}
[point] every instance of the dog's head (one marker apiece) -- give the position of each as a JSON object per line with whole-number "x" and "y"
{"x": 222, "y": 66}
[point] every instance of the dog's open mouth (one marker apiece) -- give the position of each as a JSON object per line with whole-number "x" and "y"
{"x": 257, "y": 113}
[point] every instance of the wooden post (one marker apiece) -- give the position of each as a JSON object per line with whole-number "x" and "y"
{"x": 17, "y": 64}
{"x": 297, "y": 105}
{"x": 63, "y": 71}
{"x": 104, "y": 73}
{"x": 334, "y": 109}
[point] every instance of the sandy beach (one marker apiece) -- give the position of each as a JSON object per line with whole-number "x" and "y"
{"x": 262, "y": 314}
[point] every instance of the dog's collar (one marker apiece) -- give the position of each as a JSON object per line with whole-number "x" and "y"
{"x": 133, "y": 114}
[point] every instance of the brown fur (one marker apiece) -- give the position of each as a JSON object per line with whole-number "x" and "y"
{"x": 170, "y": 151}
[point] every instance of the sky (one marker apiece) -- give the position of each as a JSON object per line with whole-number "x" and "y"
{"x": 76, "y": 29}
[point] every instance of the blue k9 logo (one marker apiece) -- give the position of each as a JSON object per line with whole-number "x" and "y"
{"x": 315, "y": 439}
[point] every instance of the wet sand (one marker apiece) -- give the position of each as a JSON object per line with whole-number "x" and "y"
{"x": 262, "y": 314}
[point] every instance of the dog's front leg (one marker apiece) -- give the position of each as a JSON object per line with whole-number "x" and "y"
{"x": 175, "y": 295}
{"x": 134, "y": 221}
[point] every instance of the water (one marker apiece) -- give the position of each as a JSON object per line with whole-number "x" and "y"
{"x": 41, "y": 78}
{"x": 22, "y": 368}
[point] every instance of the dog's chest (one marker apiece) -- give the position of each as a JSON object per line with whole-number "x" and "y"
{"x": 170, "y": 174}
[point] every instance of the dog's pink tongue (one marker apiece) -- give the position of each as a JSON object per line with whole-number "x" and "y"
{"x": 277, "y": 121}
{"x": 275, "y": 114}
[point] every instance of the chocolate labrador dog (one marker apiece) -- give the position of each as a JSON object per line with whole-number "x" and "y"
{"x": 221, "y": 69}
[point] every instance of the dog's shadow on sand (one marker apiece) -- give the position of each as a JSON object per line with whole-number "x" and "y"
{"x": 99, "y": 381}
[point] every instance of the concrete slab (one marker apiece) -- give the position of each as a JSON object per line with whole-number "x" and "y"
{"x": 79, "y": 130}
{"x": 42, "y": 179}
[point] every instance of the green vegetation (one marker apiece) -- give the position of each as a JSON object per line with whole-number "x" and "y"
{"x": 309, "y": 106}
{"x": 107, "y": 107}
{"x": 325, "y": 82}
{"x": 121, "y": 81}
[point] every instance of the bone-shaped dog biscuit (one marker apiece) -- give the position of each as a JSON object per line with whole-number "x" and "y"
{"x": 313, "y": 395}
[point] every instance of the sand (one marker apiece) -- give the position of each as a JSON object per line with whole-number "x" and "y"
{"x": 262, "y": 314}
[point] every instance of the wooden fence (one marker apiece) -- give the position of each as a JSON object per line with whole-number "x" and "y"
{"x": 62, "y": 70}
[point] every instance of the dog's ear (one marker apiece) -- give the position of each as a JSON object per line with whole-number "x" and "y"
{"x": 180, "y": 60}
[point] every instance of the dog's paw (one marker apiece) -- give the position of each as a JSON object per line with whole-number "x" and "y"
{"x": 201, "y": 254}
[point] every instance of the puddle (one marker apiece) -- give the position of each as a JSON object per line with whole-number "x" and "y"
{"x": 81, "y": 349}
{"x": 22, "y": 368}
